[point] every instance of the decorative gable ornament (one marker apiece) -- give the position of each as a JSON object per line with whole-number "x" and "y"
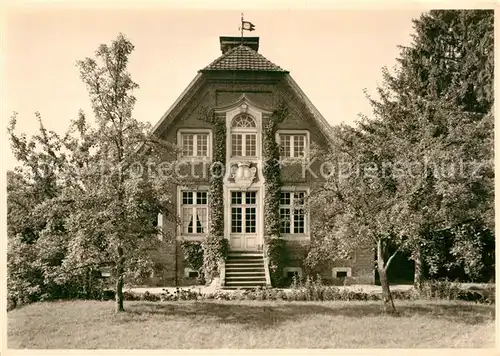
{"x": 243, "y": 173}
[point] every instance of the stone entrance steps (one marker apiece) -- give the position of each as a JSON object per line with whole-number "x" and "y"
{"x": 244, "y": 270}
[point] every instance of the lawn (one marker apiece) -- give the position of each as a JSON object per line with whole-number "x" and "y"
{"x": 250, "y": 324}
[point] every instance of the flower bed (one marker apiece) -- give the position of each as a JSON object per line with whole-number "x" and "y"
{"x": 317, "y": 292}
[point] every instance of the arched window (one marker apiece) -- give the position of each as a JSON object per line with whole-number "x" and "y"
{"x": 243, "y": 120}
{"x": 243, "y": 136}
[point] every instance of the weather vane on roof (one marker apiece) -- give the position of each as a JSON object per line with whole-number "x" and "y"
{"x": 245, "y": 26}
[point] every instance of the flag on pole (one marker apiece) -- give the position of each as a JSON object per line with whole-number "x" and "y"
{"x": 248, "y": 26}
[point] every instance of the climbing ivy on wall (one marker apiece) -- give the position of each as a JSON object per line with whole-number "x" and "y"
{"x": 193, "y": 255}
{"x": 274, "y": 246}
{"x": 215, "y": 246}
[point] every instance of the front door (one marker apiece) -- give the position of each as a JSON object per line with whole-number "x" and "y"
{"x": 243, "y": 234}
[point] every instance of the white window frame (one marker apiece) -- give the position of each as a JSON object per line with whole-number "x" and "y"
{"x": 244, "y": 132}
{"x": 243, "y": 206}
{"x": 244, "y": 136}
{"x": 243, "y": 106}
{"x": 295, "y": 133}
{"x": 180, "y": 228}
{"x": 208, "y": 132}
{"x": 296, "y": 236}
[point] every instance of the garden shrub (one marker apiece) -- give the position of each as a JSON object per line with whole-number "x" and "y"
{"x": 29, "y": 282}
{"x": 308, "y": 290}
{"x": 313, "y": 289}
{"x": 127, "y": 295}
{"x": 439, "y": 289}
{"x": 476, "y": 296}
{"x": 150, "y": 297}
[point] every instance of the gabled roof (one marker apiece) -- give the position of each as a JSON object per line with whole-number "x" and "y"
{"x": 167, "y": 119}
{"x": 323, "y": 125}
{"x": 243, "y": 58}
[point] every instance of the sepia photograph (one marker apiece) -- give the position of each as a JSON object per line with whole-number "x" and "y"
{"x": 248, "y": 177}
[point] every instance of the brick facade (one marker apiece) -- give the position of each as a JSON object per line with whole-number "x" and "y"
{"x": 266, "y": 90}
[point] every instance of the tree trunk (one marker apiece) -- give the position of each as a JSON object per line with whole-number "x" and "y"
{"x": 119, "y": 294}
{"x": 386, "y": 291}
{"x": 388, "y": 303}
{"x": 418, "y": 273}
{"x": 119, "y": 282}
{"x": 87, "y": 283}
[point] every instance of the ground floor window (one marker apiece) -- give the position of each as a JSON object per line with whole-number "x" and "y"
{"x": 292, "y": 212}
{"x": 194, "y": 212}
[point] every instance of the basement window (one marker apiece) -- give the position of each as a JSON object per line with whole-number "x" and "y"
{"x": 105, "y": 272}
{"x": 290, "y": 272}
{"x": 190, "y": 273}
{"x": 341, "y": 272}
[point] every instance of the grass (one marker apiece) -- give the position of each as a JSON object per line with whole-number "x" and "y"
{"x": 250, "y": 324}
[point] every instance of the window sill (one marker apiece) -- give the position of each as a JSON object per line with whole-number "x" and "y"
{"x": 296, "y": 237}
{"x": 195, "y": 159}
{"x": 193, "y": 237}
{"x": 293, "y": 160}
{"x": 244, "y": 158}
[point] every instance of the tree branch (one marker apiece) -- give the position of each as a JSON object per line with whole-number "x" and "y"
{"x": 391, "y": 258}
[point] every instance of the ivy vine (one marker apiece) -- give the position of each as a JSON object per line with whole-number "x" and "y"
{"x": 274, "y": 246}
{"x": 193, "y": 255}
{"x": 215, "y": 246}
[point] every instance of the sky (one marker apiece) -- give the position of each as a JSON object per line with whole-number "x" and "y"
{"x": 332, "y": 54}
